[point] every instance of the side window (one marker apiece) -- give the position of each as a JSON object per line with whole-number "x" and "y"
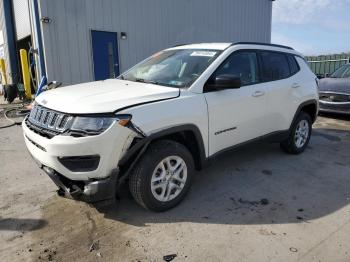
{"x": 242, "y": 64}
{"x": 293, "y": 65}
{"x": 274, "y": 66}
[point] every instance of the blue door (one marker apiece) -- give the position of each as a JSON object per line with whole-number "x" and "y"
{"x": 105, "y": 54}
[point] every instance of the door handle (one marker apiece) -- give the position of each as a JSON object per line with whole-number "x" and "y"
{"x": 295, "y": 85}
{"x": 258, "y": 93}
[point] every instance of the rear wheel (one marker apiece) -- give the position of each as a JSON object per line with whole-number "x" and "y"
{"x": 161, "y": 179}
{"x": 299, "y": 136}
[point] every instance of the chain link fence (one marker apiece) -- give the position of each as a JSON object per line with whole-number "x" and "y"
{"x": 326, "y": 64}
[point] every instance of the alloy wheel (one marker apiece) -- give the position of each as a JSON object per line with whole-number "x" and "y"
{"x": 169, "y": 178}
{"x": 301, "y": 133}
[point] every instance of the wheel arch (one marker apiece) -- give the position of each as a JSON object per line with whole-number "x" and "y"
{"x": 189, "y": 135}
{"x": 310, "y": 107}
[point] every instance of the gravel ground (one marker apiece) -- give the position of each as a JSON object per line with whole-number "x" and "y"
{"x": 253, "y": 204}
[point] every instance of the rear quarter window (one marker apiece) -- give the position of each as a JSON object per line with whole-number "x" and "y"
{"x": 275, "y": 66}
{"x": 293, "y": 65}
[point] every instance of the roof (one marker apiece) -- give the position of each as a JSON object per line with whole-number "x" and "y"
{"x": 223, "y": 46}
{"x": 214, "y": 46}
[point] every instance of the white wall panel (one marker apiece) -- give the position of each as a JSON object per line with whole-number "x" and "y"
{"x": 21, "y": 18}
{"x": 150, "y": 25}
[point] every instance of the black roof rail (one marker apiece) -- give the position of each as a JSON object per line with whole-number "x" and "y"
{"x": 179, "y": 45}
{"x": 266, "y": 44}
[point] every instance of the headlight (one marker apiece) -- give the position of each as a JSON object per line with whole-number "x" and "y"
{"x": 97, "y": 125}
{"x": 91, "y": 124}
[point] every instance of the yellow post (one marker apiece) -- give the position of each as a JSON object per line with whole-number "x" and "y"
{"x": 3, "y": 72}
{"x": 25, "y": 72}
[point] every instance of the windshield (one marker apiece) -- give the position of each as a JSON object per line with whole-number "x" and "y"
{"x": 174, "y": 68}
{"x": 342, "y": 72}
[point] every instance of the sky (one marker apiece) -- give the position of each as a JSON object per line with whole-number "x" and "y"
{"x": 312, "y": 27}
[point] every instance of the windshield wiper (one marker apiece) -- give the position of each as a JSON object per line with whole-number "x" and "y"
{"x": 141, "y": 80}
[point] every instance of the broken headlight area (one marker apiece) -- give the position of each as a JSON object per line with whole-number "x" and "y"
{"x": 89, "y": 126}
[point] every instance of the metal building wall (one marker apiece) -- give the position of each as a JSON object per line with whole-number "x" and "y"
{"x": 21, "y": 18}
{"x": 150, "y": 25}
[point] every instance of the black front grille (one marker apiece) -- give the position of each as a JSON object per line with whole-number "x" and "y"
{"x": 47, "y": 122}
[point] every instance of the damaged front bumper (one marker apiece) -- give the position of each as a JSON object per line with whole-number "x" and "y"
{"x": 87, "y": 168}
{"x": 84, "y": 168}
{"x": 88, "y": 191}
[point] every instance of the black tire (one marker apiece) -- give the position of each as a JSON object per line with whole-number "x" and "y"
{"x": 290, "y": 145}
{"x": 140, "y": 177}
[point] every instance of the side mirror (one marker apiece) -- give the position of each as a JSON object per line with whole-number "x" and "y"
{"x": 222, "y": 82}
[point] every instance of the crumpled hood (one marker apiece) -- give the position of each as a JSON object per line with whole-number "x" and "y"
{"x": 335, "y": 85}
{"x": 103, "y": 96}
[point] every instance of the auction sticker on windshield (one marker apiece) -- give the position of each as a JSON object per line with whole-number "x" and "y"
{"x": 203, "y": 53}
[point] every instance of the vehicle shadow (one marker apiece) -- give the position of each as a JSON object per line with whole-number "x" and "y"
{"x": 259, "y": 184}
{"x": 17, "y": 224}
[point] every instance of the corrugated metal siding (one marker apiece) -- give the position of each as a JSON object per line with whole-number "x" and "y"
{"x": 150, "y": 25}
{"x": 21, "y": 18}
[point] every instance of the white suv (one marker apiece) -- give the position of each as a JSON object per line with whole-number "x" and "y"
{"x": 169, "y": 115}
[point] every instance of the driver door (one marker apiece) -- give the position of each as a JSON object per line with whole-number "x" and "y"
{"x": 237, "y": 115}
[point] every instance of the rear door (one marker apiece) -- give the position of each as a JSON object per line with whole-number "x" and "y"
{"x": 279, "y": 72}
{"x": 105, "y": 54}
{"x": 237, "y": 115}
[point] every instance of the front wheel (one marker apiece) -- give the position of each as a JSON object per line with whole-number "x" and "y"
{"x": 163, "y": 176}
{"x": 299, "y": 135}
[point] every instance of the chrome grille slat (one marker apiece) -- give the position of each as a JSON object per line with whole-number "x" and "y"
{"x": 41, "y": 115}
{"x": 59, "y": 119}
{"x": 63, "y": 121}
{"x": 35, "y": 112}
{"x": 53, "y": 120}
{"x": 48, "y": 120}
{"x": 37, "y": 115}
